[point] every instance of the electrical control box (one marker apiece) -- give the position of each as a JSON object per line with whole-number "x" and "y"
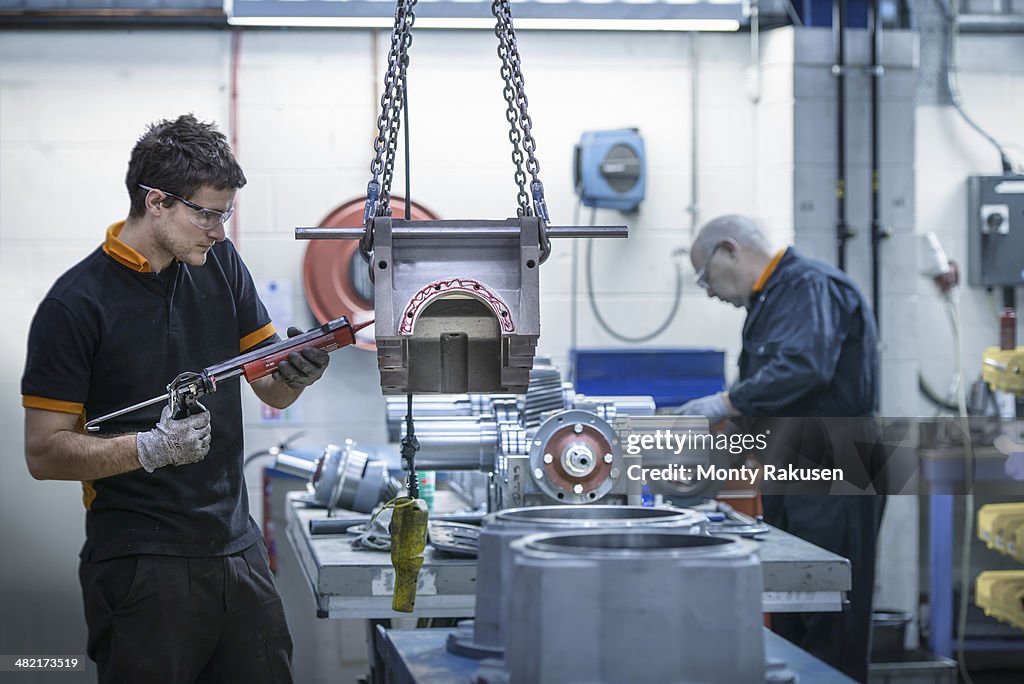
{"x": 609, "y": 169}
{"x": 995, "y": 240}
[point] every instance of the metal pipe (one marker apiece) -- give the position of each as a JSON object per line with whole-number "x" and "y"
{"x": 990, "y": 23}
{"x": 839, "y": 71}
{"x": 295, "y": 465}
{"x": 877, "y": 232}
{"x": 457, "y": 443}
{"x": 694, "y": 208}
{"x": 433, "y": 406}
{"x": 628, "y": 405}
{"x": 429, "y": 232}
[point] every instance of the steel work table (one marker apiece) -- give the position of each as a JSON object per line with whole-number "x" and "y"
{"x": 349, "y": 583}
{"x": 418, "y": 655}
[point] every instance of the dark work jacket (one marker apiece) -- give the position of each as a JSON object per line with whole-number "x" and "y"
{"x": 808, "y": 375}
{"x": 810, "y": 345}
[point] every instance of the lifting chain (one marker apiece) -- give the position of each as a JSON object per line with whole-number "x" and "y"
{"x": 378, "y": 190}
{"x": 520, "y": 124}
{"x": 382, "y": 168}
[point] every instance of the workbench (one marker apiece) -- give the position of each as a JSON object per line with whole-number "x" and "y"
{"x": 418, "y": 656}
{"x": 349, "y": 583}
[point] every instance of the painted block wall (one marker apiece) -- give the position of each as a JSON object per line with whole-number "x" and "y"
{"x": 72, "y": 103}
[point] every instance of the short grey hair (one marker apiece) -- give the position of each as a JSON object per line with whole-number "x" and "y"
{"x": 743, "y": 229}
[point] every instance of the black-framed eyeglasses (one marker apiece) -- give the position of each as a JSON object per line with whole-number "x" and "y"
{"x": 204, "y": 217}
{"x": 701, "y": 275}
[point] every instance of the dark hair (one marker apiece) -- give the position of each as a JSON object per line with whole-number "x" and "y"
{"x": 180, "y": 157}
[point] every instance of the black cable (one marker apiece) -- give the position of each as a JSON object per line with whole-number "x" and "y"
{"x": 933, "y": 396}
{"x": 280, "y": 448}
{"x": 252, "y": 457}
{"x": 410, "y": 445}
{"x": 593, "y": 301}
{"x": 574, "y": 288}
{"x": 954, "y": 87}
{"x": 405, "y": 115}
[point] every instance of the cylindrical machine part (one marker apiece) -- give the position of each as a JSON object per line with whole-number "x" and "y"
{"x": 656, "y": 605}
{"x": 427, "y": 406}
{"x": 295, "y": 465}
{"x": 543, "y": 395}
{"x": 456, "y": 443}
{"x": 343, "y": 476}
{"x": 575, "y": 457}
{"x": 611, "y": 407}
{"x": 485, "y": 637}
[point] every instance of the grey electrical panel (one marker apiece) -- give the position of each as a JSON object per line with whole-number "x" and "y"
{"x": 995, "y": 239}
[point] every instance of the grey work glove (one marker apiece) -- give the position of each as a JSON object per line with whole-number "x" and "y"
{"x": 1014, "y": 450}
{"x": 712, "y": 406}
{"x": 302, "y": 368}
{"x": 174, "y": 442}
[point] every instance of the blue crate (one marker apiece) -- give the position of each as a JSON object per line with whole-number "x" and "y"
{"x": 671, "y": 376}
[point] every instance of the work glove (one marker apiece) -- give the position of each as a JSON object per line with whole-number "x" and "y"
{"x": 712, "y": 406}
{"x": 302, "y": 368}
{"x": 175, "y": 442}
{"x": 1014, "y": 451}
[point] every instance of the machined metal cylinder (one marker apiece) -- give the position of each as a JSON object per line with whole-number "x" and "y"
{"x": 295, "y": 465}
{"x": 609, "y": 408}
{"x": 426, "y": 406}
{"x": 486, "y": 636}
{"x": 640, "y": 605}
{"x": 456, "y": 443}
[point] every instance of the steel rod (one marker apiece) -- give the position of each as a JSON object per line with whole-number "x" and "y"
{"x": 429, "y": 232}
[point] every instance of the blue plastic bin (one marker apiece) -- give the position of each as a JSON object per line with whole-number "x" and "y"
{"x": 671, "y": 376}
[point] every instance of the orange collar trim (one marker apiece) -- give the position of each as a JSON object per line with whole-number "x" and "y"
{"x": 122, "y": 253}
{"x": 768, "y": 270}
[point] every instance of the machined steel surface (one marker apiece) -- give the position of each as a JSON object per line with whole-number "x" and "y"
{"x": 457, "y": 303}
{"x": 418, "y": 656}
{"x": 456, "y": 443}
{"x": 352, "y": 583}
{"x": 523, "y": 440}
{"x": 575, "y": 457}
{"x": 486, "y": 636}
{"x": 656, "y": 604}
{"x": 343, "y": 476}
{"x": 472, "y": 282}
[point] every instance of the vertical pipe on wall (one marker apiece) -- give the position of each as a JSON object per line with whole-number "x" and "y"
{"x": 694, "y": 208}
{"x": 236, "y": 51}
{"x": 877, "y": 232}
{"x": 839, "y": 71}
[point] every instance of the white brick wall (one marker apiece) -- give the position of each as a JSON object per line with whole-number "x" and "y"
{"x": 72, "y": 104}
{"x": 992, "y": 87}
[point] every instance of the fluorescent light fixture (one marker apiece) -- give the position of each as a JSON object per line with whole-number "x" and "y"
{"x": 473, "y": 23}
{"x": 547, "y": 15}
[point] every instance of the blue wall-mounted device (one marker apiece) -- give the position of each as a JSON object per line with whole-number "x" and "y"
{"x": 610, "y": 170}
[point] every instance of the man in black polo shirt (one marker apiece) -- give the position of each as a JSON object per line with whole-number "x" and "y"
{"x": 174, "y": 571}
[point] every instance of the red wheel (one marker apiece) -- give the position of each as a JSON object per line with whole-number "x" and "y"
{"x": 334, "y": 274}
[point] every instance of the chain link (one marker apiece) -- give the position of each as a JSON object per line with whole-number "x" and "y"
{"x": 385, "y": 145}
{"x": 515, "y": 135}
{"x": 521, "y": 125}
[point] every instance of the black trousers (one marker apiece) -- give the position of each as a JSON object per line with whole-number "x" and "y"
{"x": 182, "y": 620}
{"x": 848, "y": 526}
